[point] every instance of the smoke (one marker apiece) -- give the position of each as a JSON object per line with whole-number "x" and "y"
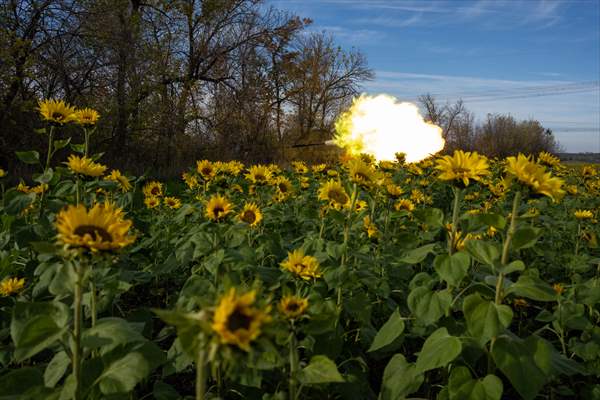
{"x": 382, "y": 126}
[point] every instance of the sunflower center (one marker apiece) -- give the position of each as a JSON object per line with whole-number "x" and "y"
{"x": 282, "y": 187}
{"x": 58, "y": 115}
{"x": 206, "y": 171}
{"x": 293, "y": 306}
{"x": 249, "y": 216}
{"x": 238, "y": 320}
{"x": 155, "y": 191}
{"x": 93, "y": 231}
{"x": 218, "y": 210}
{"x": 361, "y": 177}
{"x": 337, "y": 196}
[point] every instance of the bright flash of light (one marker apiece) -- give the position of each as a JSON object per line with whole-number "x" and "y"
{"x": 382, "y": 126}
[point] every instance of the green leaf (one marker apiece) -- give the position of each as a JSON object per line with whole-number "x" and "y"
{"x": 417, "y": 255}
{"x": 461, "y": 386}
{"x": 56, "y": 369}
{"x": 388, "y": 332}
{"x": 515, "y": 358}
{"x": 20, "y": 202}
{"x": 400, "y": 379}
{"x": 428, "y": 306}
{"x": 36, "y": 326}
{"x": 452, "y": 268}
{"x": 78, "y": 148}
{"x": 46, "y": 177}
{"x": 123, "y": 374}
{"x": 485, "y": 319}
{"x": 16, "y": 382}
{"x": 532, "y": 288}
{"x": 28, "y": 157}
{"x": 434, "y": 217}
{"x": 320, "y": 370}
{"x": 110, "y": 333}
{"x": 163, "y": 391}
{"x": 525, "y": 237}
{"x": 60, "y": 144}
{"x": 514, "y": 266}
{"x": 438, "y": 350}
{"x": 484, "y": 252}
{"x": 495, "y": 220}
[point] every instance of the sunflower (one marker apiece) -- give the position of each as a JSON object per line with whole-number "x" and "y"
{"x": 172, "y": 202}
{"x": 85, "y": 166}
{"x": 461, "y": 167}
{"x": 583, "y": 214}
{"x": 100, "y": 228}
{"x": 306, "y": 267}
{"x": 283, "y": 185}
{"x": 293, "y": 306}
{"x": 259, "y": 174}
{"x": 558, "y": 288}
{"x": 360, "y": 205}
{"x": 417, "y": 196}
{"x": 334, "y": 193}
{"x": 116, "y": 176}
{"x": 404, "y": 204}
{"x": 318, "y": 168}
{"x": 370, "y": 227}
{"x": 535, "y": 176}
{"x": 23, "y": 188}
{"x": 206, "y": 169}
{"x": 10, "y": 286}
{"x": 86, "y": 117}
{"x": 548, "y": 159}
{"x": 250, "y": 214}
{"x": 57, "y": 112}
{"x": 394, "y": 191}
{"x": 300, "y": 167}
{"x": 153, "y": 189}
{"x": 217, "y": 207}
{"x": 152, "y": 201}
{"x": 361, "y": 173}
{"x": 332, "y": 173}
{"x": 2, "y": 173}
{"x": 232, "y": 168}
{"x": 588, "y": 171}
{"x": 400, "y": 157}
{"x": 236, "y": 321}
{"x": 190, "y": 180}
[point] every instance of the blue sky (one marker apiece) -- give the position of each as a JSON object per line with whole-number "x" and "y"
{"x": 531, "y": 58}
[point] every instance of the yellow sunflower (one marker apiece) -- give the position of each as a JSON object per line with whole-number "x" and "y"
{"x": 300, "y": 167}
{"x": 116, "y": 176}
{"x": 190, "y": 180}
{"x": 548, "y": 159}
{"x": 10, "y": 286}
{"x": 86, "y": 117}
{"x": 152, "y": 201}
{"x": 206, "y": 169}
{"x": 362, "y": 173}
{"x": 232, "y": 168}
{"x": 259, "y": 174}
{"x": 534, "y": 176}
{"x": 394, "y": 191}
{"x": 57, "y": 112}
{"x": 404, "y": 204}
{"x": 306, "y": 267}
{"x": 462, "y": 166}
{"x": 334, "y": 193}
{"x": 293, "y": 306}
{"x": 2, "y": 173}
{"x": 318, "y": 168}
{"x": 217, "y": 208}
{"x": 583, "y": 214}
{"x": 283, "y": 185}
{"x": 172, "y": 202}
{"x": 588, "y": 171}
{"x": 85, "y": 166}
{"x": 250, "y": 214}
{"x": 236, "y": 321}
{"x": 153, "y": 189}
{"x": 370, "y": 227}
{"x": 100, "y": 228}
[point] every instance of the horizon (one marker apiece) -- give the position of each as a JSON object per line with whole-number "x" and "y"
{"x": 537, "y": 59}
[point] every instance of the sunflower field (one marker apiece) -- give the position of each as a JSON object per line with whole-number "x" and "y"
{"x": 457, "y": 277}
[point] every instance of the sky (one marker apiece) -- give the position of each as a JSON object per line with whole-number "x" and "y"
{"x": 536, "y": 59}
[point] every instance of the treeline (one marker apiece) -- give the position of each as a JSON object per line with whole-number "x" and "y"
{"x": 174, "y": 81}
{"x": 498, "y": 135}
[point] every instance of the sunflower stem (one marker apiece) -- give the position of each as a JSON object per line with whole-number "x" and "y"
{"x": 77, "y": 333}
{"x": 93, "y": 303}
{"x": 455, "y": 211}
{"x": 578, "y": 238}
{"x": 200, "y": 374}
{"x": 293, "y": 365}
{"x": 505, "y": 249}
{"x": 86, "y": 135}
{"x": 50, "y": 140}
